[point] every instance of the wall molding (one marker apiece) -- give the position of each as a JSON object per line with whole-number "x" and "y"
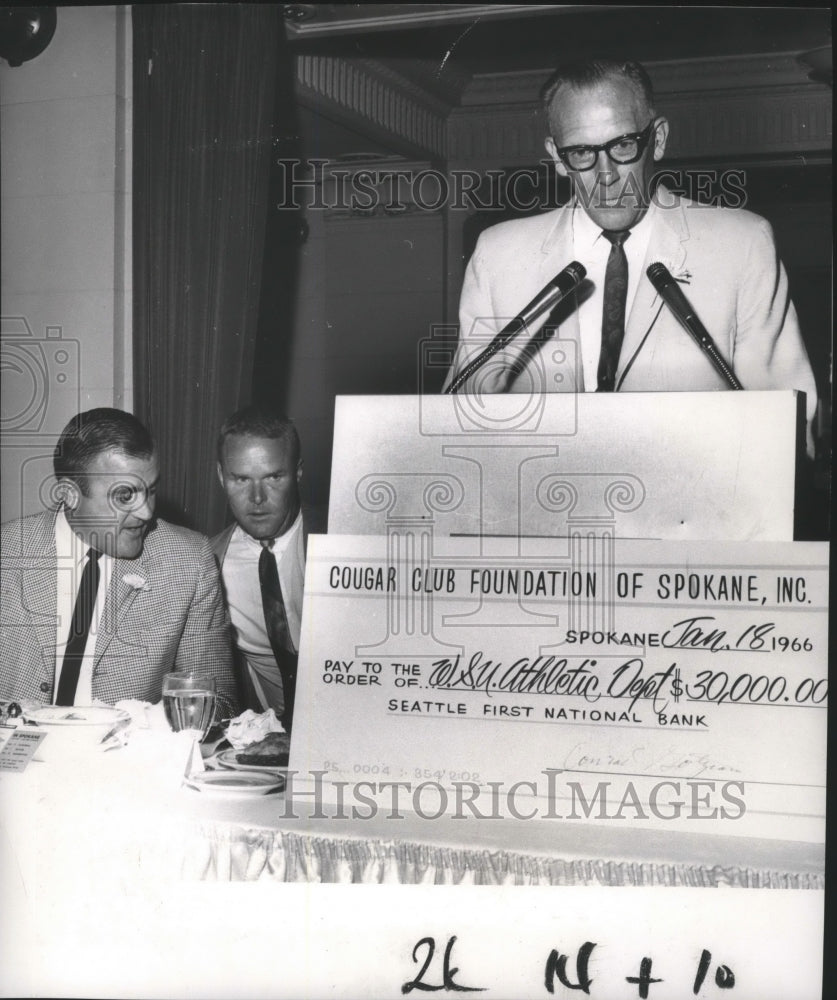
{"x": 372, "y": 97}
{"x": 783, "y": 121}
{"x": 719, "y": 107}
{"x": 307, "y": 20}
{"x": 730, "y": 126}
{"x": 705, "y": 75}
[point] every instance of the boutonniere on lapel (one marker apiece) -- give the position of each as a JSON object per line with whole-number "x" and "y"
{"x": 683, "y": 277}
{"x": 136, "y": 582}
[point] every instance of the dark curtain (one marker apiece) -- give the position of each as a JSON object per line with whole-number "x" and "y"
{"x": 285, "y": 234}
{"x": 204, "y": 87}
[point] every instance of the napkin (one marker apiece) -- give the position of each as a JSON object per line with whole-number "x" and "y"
{"x": 144, "y": 715}
{"x": 250, "y": 727}
{"x": 154, "y": 747}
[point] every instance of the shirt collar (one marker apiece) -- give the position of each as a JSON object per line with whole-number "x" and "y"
{"x": 586, "y": 233}
{"x": 241, "y": 536}
{"x": 68, "y": 545}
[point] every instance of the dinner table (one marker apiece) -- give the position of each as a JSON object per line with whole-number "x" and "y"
{"x": 135, "y": 813}
{"x": 153, "y": 870}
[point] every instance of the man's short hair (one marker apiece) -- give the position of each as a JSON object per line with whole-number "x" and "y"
{"x": 260, "y": 422}
{"x": 589, "y": 72}
{"x": 93, "y": 432}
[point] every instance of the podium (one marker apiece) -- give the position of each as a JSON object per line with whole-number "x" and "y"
{"x": 555, "y": 603}
{"x": 695, "y": 465}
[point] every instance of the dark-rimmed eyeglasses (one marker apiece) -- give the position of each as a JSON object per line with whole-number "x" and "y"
{"x": 623, "y": 149}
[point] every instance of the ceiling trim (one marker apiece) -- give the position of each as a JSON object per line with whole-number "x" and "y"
{"x": 718, "y": 106}
{"x": 373, "y": 99}
{"x": 682, "y": 76}
{"x": 788, "y": 123}
{"x": 311, "y": 20}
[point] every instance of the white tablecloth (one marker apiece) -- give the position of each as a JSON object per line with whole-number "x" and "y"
{"x": 110, "y": 822}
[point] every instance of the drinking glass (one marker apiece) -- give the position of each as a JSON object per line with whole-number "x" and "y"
{"x": 189, "y": 702}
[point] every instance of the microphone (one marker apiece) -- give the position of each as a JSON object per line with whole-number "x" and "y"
{"x": 671, "y": 293}
{"x": 550, "y": 295}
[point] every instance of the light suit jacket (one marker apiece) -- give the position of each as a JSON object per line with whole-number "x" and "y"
{"x": 176, "y": 621}
{"x": 729, "y": 270}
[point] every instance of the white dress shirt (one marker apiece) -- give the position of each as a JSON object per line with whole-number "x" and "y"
{"x": 244, "y": 597}
{"x": 592, "y": 249}
{"x": 71, "y": 553}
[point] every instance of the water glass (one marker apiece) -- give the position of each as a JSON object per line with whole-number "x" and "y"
{"x": 189, "y": 702}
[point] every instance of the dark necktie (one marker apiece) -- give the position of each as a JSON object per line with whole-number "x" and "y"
{"x": 79, "y": 630}
{"x": 276, "y": 622}
{"x": 613, "y": 313}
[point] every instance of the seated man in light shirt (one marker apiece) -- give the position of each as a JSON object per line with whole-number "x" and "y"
{"x": 260, "y": 468}
{"x": 100, "y": 598}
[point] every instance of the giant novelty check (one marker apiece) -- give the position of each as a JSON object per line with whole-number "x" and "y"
{"x": 667, "y": 685}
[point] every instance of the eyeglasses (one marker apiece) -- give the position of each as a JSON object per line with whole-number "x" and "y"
{"x": 623, "y": 149}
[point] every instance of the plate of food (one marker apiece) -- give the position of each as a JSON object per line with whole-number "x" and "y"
{"x": 235, "y": 782}
{"x": 267, "y": 755}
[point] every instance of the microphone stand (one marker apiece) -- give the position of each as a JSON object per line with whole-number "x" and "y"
{"x": 661, "y": 278}
{"x": 560, "y": 286}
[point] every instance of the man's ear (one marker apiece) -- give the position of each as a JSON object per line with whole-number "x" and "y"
{"x": 549, "y": 144}
{"x": 299, "y": 471}
{"x": 67, "y": 492}
{"x": 220, "y": 473}
{"x": 660, "y": 138}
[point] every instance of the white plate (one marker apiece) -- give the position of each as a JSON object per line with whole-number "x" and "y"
{"x": 227, "y": 758}
{"x": 235, "y": 782}
{"x": 76, "y": 715}
{"x": 74, "y": 730}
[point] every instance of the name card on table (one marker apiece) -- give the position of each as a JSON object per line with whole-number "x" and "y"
{"x": 17, "y": 747}
{"x": 677, "y": 686}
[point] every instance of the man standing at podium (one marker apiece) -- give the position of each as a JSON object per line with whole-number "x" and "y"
{"x": 615, "y": 332}
{"x": 262, "y": 554}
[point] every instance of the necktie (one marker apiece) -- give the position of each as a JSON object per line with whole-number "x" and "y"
{"x": 276, "y": 622}
{"x": 613, "y": 313}
{"x": 79, "y": 630}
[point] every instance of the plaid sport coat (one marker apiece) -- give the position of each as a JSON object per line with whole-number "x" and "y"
{"x": 168, "y": 614}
